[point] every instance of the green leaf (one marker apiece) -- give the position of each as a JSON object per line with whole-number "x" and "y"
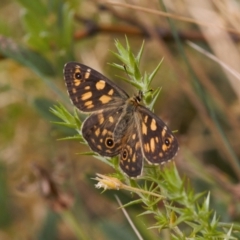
{"x": 214, "y": 221}
{"x": 118, "y": 56}
{"x": 152, "y": 75}
{"x": 205, "y": 206}
{"x": 139, "y": 55}
{"x": 229, "y": 233}
{"x": 122, "y": 54}
{"x": 34, "y": 25}
{"x": 137, "y": 74}
{"x": 26, "y": 57}
{"x": 131, "y": 60}
{"x": 39, "y": 40}
{"x": 36, "y": 7}
{"x": 64, "y": 124}
{"x": 88, "y": 154}
{"x": 75, "y": 138}
{"x": 70, "y": 120}
{"x": 65, "y": 17}
{"x": 155, "y": 95}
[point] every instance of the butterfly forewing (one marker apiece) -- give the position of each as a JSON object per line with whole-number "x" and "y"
{"x": 89, "y": 90}
{"x": 158, "y": 142}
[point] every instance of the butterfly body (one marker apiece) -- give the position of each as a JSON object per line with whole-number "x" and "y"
{"x": 125, "y": 119}
{"x": 118, "y": 124}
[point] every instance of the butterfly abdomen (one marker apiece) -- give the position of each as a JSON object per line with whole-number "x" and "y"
{"x": 125, "y": 120}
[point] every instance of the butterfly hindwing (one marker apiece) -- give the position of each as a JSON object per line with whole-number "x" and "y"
{"x": 89, "y": 90}
{"x": 131, "y": 157}
{"x": 98, "y": 130}
{"x": 158, "y": 142}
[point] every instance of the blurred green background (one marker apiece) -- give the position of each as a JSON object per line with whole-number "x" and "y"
{"x": 199, "y": 99}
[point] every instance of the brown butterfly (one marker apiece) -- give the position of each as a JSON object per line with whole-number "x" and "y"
{"x": 118, "y": 124}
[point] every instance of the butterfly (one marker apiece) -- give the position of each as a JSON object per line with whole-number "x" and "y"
{"x": 118, "y": 124}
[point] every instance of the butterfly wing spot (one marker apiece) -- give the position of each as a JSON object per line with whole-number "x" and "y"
{"x": 130, "y": 150}
{"x": 144, "y": 128}
{"x": 167, "y": 143}
{"x": 134, "y": 158}
{"x": 88, "y": 104}
{"x": 164, "y": 131}
{"x": 100, "y": 85}
{"x": 87, "y": 88}
{"x": 146, "y": 118}
{"x": 87, "y": 73}
{"x": 127, "y": 167}
{"x": 101, "y": 140}
{"x": 99, "y": 147}
{"x": 109, "y": 142}
{"x": 86, "y": 96}
{"x": 146, "y": 147}
{"x": 105, "y": 99}
{"x": 77, "y": 74}
{"x": 156, "y": 139}
{"x": 160, "y": 154}
{"x": 111, "y": 120}
{"x": 76, "y": 99}
{"x": 134, "y": 136}
{"x": 153, "y": 125}
{"x": 104, "y": 132}
{"x": 74, "y": 90}
{"x": 111, "y": 92}
{"x": 164, "y": 147}
{"x": 137, "y": 146}
{"x": 152, "y": 145}
{"x": 101, "y": 119}
{"x": 97, "y": 132}
{"x": 76, "y": 82}
{"x": 124, "y": 154}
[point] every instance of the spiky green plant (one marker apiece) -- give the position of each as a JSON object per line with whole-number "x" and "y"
{"x": 185, "y": 213}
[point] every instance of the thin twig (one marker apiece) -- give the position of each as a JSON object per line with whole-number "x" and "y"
{"x": 128, "y": 218}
